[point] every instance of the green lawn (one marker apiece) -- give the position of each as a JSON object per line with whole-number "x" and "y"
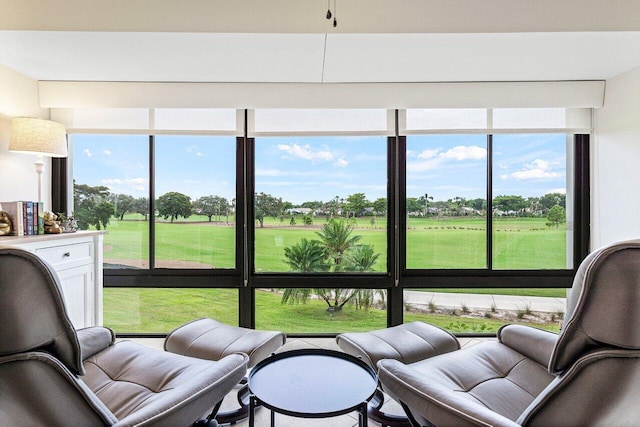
{"x": 433, "y": 243}
{"x": 162, "y": 310}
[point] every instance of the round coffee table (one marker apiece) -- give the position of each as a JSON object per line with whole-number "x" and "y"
{"x": 312, "y": 383}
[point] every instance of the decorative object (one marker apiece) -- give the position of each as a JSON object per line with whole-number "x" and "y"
{"x": 68, "y": 223}
{"x": 5, "y": 224}
{"x": 44, "y": 137}
{"x": 51, "y": 224}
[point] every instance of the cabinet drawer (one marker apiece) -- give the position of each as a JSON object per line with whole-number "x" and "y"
{"x": 67, "y": 256}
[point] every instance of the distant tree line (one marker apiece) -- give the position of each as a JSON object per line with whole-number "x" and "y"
{"x": 95, "y": 206}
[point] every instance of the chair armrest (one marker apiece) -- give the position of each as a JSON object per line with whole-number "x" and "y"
{"x": 534, "y": 343}
{"x": 94, "y": 339}
{"x": 433, "y": 402}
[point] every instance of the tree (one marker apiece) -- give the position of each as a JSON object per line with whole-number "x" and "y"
{"x": 123, "y": 203}
{"x": 414, "y": 204}
{"x": 336, "y": 238}
{"x": 361, "y": 258}
{"x": 211, "y": 205}
{"x": 550, "y": 200}
{"x": 380, "y": 206}
{"x": 92, "y": 206}
{"x": 337, "y": 250}
{"x": 267, "y": 205}
{"x": 510, "y": 203}
{"x": 173, "y": 205}
{"x": 141, "y": 206}
{"x": 556, "y": 216}
{"x": 306, "y": 256}
{"x": 357, "y": 203}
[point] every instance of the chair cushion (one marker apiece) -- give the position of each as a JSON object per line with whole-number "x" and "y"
{"x": 488, "y": 375}
{"x": 138, "y": 383}
{"x": 209, "y": 339}
{"x": 408, "y": 343}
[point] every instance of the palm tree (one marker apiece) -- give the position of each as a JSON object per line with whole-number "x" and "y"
{"x": 361, "y": 258}
{"x": 337, "y": 239}
{"x": 306, "y": 256}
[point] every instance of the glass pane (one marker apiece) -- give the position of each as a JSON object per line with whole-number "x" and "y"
{"x": 195, "y": 201}
{"x": 530, "y": 218}
{"x": 161, "y": 310}
{"x": 111, "y": 190}
{"x": 446, "y": 201}
{"x": 321, "y": 204}
{"x": 485, "y": 310}
{"x": 304, "y": 311}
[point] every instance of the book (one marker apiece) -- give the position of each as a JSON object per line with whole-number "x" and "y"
{"x": 40, "y": 217}
{"x": 28, "y": 207}
{"x": 15, "y": 212}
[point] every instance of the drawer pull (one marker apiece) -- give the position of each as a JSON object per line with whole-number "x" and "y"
{"x": 67, "y": 254}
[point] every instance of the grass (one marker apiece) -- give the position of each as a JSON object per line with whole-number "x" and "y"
{"x": 159, "y": 310}
{"x": 433, "y": 243}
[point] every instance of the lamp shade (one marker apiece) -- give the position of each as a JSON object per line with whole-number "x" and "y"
{"x": 44, "y": 137}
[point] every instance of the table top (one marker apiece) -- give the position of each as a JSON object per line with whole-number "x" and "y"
{"x": 312, "y": 383}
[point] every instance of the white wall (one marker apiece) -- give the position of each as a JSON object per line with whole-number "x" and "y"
{"x": 18, "y": 178}
{"x": 615, "y": 197}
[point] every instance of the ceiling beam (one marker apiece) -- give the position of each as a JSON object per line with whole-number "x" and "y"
{"x": 308, "y": 16}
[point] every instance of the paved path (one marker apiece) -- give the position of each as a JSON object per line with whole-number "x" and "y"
{"x": 481, "y": 301}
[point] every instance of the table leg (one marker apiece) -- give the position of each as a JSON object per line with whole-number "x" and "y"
{"x": 364, "y": 420}
{"x": 252, "y": 410}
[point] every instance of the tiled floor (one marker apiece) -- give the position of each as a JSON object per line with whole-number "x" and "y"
{"x": 263, "y": 415}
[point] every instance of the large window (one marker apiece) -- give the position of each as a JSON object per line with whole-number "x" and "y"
{"x": 321, "y": 204}
{"x": 195, "y": 202}
{"x": 446, "y": 201}
{"x": 111, "y": 191}
{"x": 326, "y": 221}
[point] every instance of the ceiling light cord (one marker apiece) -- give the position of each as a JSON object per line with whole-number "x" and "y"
{"x": 334, "y": 14}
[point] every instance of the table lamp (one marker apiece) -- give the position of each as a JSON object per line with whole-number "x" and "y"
{"x": 43, "y": 137}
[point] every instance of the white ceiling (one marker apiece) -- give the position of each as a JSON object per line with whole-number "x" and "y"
{"x": 290, "y": 41}
{"x": 318, "y": 58}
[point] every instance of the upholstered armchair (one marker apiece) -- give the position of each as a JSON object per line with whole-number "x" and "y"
{"x": 589, "y": 374}
{"x": 53, "y": 375}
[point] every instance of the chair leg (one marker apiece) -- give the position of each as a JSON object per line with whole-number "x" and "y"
{"x": 233, "y": 416}
{"x": 386, "y": 420}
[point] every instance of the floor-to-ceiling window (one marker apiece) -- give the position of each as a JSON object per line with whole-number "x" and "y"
{"x": 167, "y": 201}
{"x": 494, "y": 204}
{"x": 325, "y": 221}
{"x": 320, "y": 209}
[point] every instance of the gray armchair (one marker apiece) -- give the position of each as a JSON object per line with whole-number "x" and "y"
{"x": 589, "y": 374}
{"x": 53, "y": 375}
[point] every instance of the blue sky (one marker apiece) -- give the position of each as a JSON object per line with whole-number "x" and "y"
{"x": 302, "y": 169}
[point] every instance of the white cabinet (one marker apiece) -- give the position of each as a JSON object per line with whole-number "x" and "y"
{"x": 77, "y": 258}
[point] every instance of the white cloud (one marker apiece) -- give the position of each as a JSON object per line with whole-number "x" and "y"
{"x": 107, "y": 152}
{"x": 428, "y": 154}
{"x": 465, "y": 152}
{"x": 341, "y": 163}
{"x": 136, "y": 184}
{"x": 538, "y": 169}
{"x": 305, "y": 152}
{"x": 87, "y": 152}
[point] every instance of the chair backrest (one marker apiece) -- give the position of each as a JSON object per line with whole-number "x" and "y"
{"x": 597, "y": 355}
{"x": 32, "y": 310}
{"x": 603, "y": 306}
{"x": 37, "y": 390}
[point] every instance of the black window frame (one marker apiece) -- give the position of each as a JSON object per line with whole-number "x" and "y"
{"x": 395, "y": 280}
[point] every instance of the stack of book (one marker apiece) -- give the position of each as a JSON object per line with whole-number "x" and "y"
{"x": 26, "y": 217}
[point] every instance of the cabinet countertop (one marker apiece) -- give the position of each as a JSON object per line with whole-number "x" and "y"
{"x": 13, "y": 240}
